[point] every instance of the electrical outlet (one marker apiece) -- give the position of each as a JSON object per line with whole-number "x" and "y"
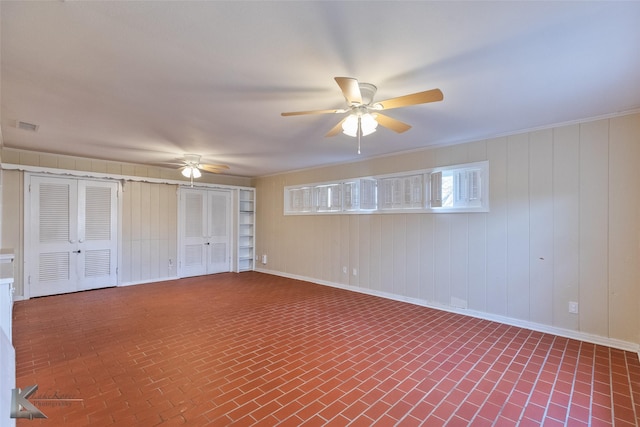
{"x": 344, "y": 270}
{"x": 354, "y": 272}
{"x": 573, "y": 307}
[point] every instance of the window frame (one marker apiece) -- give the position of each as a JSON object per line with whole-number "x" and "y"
{"x": 412, "y": 191}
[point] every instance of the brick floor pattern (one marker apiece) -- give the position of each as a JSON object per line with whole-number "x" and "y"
{"x": 256, "y": 349}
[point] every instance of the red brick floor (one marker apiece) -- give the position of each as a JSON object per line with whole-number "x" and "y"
{"x": 255, "y": 349}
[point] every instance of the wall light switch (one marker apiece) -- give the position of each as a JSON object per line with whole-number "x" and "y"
{"x": 573, "y": 307}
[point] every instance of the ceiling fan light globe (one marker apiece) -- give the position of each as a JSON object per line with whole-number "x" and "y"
{"x": 186, "y": 172}
{"x": 196, "y": 172}
{"x": 368, "y": 124}
{"x": 350, "y": 126}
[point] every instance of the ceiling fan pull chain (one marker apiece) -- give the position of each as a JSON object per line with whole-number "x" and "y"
{"x": 359, "y": 132}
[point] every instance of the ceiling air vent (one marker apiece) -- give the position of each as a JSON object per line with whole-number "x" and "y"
{"x": 27, "y": 126}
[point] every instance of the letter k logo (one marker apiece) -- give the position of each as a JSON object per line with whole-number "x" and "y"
{"x": 21, "y": 407}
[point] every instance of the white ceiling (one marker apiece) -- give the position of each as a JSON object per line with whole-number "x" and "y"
{"x": 147, "y": 82}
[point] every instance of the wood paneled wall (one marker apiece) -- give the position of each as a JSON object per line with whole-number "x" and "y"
{"x": 149, "y": 232}
{"x": 149, "y": 213}
{"x": 564, "y": 225}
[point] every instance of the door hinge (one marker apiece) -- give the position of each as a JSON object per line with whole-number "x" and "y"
{"x": 29, "y": 280}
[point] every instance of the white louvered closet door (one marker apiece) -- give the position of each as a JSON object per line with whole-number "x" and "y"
{"x": 193, "y": 253}
{"x": 205, "y": 232}
{"x": 97, "y": 213}
{"x": 219, "y": 257}
{"x": 73, "y": 239}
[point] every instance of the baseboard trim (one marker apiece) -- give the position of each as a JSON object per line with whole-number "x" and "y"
{"x": 538, "y": 327}
{"x": 144, "y": 282}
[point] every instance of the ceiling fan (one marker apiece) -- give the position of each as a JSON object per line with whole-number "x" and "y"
{"x": 364, "y": 114}
{"x": 191, "y": 167}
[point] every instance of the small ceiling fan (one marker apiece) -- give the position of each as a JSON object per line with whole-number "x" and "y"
{"x": 364, "y": 114}
{"x": 191, "y": 167}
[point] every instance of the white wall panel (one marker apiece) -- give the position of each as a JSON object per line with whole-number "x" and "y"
{"x": 412, "y": 254}
{"x": 477, "y": 151}
{"x": 518, "y": 226}
{"x": 125, "y": 243}
{"x": 497, "y": 228}
{"x": 144, "y": 209}
{"x": 459, "y": 259}
{"x": 624, "y": 228}
{"x": 302, "y": 239}
{"x": 386, "y": 253}
{"x": 541, "y": 227}
{"x": 594, "y": 222}
{"x": 477, "y": 287}
{"x": 364, "y": 250}
{"x": 442, "y": 258}
{"x": 149, "y": 232}
{"x": 345, "y": 245}
{"x": 427, "y": 257}
{"x": 566, "y": 220}
{"x": 313, "y": 262}
{"x": 309, "y": 246}
{"x": 376, "y": 252}
{"x": 458, "y": 153}
{"x": 154, "y": 233}
{"x": 340, "y": 251}
{"x": 354, "y": 249}
{"x": 399, "y": 250}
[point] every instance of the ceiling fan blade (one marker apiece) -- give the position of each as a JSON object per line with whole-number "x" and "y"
{"x": 350, "y": 89}
{"x": 213, "y": 168}
{"x": 300, "y": 113}
{"x": 393, "y": 124}
{"x": 168, "y": 164}
{"x": 337, "y": 128}
{"x": 432, "y": 95}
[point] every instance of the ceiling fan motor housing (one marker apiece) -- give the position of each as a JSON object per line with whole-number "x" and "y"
{"x": 192, "y": 159}
{"x": 367, "y": 91}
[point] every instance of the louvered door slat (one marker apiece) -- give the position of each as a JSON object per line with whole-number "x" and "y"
{"x": 98, "y": 213}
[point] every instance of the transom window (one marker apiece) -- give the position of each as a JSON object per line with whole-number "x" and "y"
{"x": 457, "y": 188}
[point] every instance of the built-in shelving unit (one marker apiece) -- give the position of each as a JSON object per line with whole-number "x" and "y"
{"x": 246, "y": 229}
